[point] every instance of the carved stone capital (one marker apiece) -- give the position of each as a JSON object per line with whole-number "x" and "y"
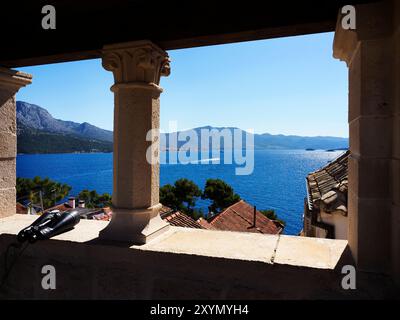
{"x": 374, "y": 21}
{"x": 139, "y": 62}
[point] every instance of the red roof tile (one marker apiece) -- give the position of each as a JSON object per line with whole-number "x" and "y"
{"x": 327, "y": 187}
{"x": 21, "y": 209}
{"x": 240, "y": 217}
{"x": 205, "y": 224}
{"x": 178, "y": 219}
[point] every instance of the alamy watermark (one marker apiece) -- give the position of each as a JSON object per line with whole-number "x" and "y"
{"x": 349, "y": 280}
{"x": 203, "y": 146}
{"x": 49, "y": 278}
{"x": 49, "y": 20}
{"x": 349, "y": 17}
{"x": 348, "y": 20}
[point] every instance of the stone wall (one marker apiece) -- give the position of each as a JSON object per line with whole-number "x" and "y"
{"x": 372, "y": 55}
{"x": 184, "y": 264}
{"x": 10, "y": 82}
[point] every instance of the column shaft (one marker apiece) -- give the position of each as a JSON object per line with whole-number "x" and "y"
{"x": 137, "y": 68}
{"x": 10, "y": 82}
{"x": 370, "y": 54}
{"x": 136, "y": 182}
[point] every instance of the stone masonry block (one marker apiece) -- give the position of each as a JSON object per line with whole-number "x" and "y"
{"x": 8, "y": 145}
{"x": 7, "y": 202}
{"x": 7, "y": 173}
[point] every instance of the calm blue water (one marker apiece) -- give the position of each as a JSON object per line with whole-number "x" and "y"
{"x": 278, "y": 180}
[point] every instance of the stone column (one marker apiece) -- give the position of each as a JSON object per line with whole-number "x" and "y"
{"x": 137, "y": 68}
{"x": 370, "y": 56}
{"x": 10, "y": 82}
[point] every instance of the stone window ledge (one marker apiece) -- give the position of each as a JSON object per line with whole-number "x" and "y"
{"x": 182, "y": 264}
{"x": 270, "y": 249}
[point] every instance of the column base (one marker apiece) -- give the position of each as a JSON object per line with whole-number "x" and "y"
{"x": 135, "y": 225}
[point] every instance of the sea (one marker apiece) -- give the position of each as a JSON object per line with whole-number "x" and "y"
{"x": 277, "y": 181}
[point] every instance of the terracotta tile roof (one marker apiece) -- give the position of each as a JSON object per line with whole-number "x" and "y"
{"x": 205, "y": 224}
{"x": 21, "y": 209}
{"x": 327, "y": 187}
{"x": 240, "y": 217}
{"x": 178, "y": 219}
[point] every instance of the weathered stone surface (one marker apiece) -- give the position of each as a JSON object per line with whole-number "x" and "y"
{"x": 374, "y": 104}
{"x": 355, "y": 86}
{"x": 7, "y": 202}
{"x": 7, "y": 173}
{"x": 137, "y": 68}
{"x": 374, "y": 20}
{"x": 344, "y": 43}
{"x": 8, "y": 145}
{"x": 91, "y": 268}
{"x": 224, "y": 244}
{"x": 368, "y": 177}
{"x": 134, "y": 179}
{"x": 325, "y": 253}
{"x": 377, "y": 60}
{"x": 371, "y": 136}
{"x": 352, "y": 215}
{"x": 10, "y": 82}
{"x": 370, "y": 220}
{"x": 136, "y": 62}
{"x": 7, "y": 114}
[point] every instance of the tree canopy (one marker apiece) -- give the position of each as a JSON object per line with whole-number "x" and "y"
{"x": 181, "y": 196}
{"x": 52, "y": 191}
{"x": 94, "y": 200}
{"x": 220, "y": 194}
{"x": 270, "y": 214}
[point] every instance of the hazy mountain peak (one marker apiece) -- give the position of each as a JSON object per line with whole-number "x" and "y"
{"x": 35, "y": 117}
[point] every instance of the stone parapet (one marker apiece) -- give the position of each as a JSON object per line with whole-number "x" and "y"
{"x": 184, "y": 263}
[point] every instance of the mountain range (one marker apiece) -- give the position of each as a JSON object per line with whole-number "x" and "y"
{"x": 33, "y": 116}
{"x": 39, "y": 132}
{"x": 263, "y": 141}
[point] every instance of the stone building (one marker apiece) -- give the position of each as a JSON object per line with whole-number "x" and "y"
{"x": 179, "y": 219}
{"x": 325, "y": 208}
{"x": 243, "y": 217}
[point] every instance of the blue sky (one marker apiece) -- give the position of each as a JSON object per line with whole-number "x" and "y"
{"x": 281, "y": 86}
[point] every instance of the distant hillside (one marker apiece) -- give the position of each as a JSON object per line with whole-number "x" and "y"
{"x": 39, "y": 132}
{"x": 269, "y": 141}
{"x": 35, "y": 117}
{"x": 39, "y": 141}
